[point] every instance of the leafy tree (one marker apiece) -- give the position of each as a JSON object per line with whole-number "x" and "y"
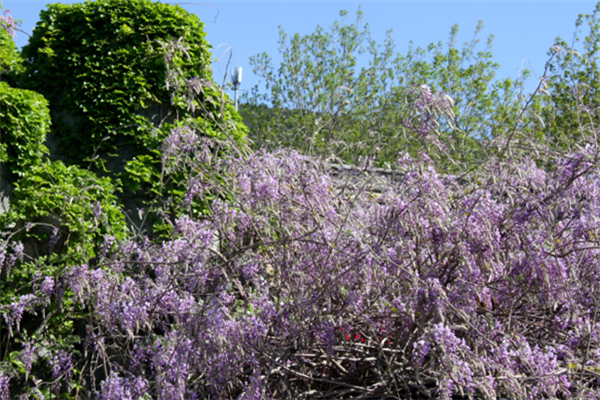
{"x": 318, "y": 101}
{"x": 571, "y": 109}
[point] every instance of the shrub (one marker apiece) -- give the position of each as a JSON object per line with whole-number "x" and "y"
{"x": 483, "y": 287}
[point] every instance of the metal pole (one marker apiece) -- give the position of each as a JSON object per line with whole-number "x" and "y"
{"x": 236, "y": 80}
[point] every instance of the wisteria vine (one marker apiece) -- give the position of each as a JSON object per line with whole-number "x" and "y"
{"x": 297, "y": 282}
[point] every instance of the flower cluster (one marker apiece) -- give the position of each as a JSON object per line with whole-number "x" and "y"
{"x": 489, "y": 286}
{"x": 488, "y": 289}
{"x": 4, "y": 380}
{"x": 428, "y": 107}
{"x": 8, "y": 23}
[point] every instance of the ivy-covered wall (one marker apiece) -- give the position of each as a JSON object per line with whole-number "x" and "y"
{"x": 102, "y": 63}
{"x": 118, "y": 76}
{"x": 10, "y": 65}
{"x": 104, "y": 84}
{"x": 24, "y": 122}
{"x": 49, "y": 201}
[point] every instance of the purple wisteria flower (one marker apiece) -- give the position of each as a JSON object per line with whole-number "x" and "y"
{"x": 61, "y": 365}
{"x": 8, "y": 23}
{"x": 4, "y": 387}
{"x": 428, "y": 106}
{"x": 47, "y": 286}
{"x": 116, "y": 387}
{"x": 14, "y": 256}
{"x": 294, "y": 279}
{"x": 16, "y": 309}
{"x": 180, "y": 141}
{"x": 28, "y": 356}
{"x": 54, "y": 238}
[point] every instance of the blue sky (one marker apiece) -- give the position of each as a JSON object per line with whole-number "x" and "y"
{"x": 523, "y": 30}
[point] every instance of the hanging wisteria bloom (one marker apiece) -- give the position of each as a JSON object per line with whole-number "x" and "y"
{"x": 8, "y": 23}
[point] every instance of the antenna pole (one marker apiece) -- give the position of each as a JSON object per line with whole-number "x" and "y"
{"x": 236, "y": 80}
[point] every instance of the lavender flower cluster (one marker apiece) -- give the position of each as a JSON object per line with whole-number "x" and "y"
{"x": 488, "y": 287}
{"x": 428, "y": 108}
{"x": 8, "y": 23}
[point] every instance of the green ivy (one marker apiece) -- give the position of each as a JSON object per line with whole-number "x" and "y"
{"x": 24, "y": 122}
{"x": 84, "y": 208}
{"x": 103, "y": 61}
{"x": 10, "y": 58}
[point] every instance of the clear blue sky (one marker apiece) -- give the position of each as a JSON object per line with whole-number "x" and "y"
{"x": 523, "y": 30}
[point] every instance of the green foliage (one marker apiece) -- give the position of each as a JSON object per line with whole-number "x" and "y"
{"x": 571, "y": 109}
{"x": 482, "y": 109}
{"x": 118, "y": 75}
{"x": 63, "y": 216}
{"x": 319, "y": 102}
{"x": 312, "y": 101}
{"x": 10, "y": 58}
{"x": 24, "y": 122}
{"x": 104, "y": 62}
{"x": 81, "y": 205}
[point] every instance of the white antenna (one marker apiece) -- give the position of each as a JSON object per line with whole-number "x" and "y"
{"x": 236, "y": 80}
